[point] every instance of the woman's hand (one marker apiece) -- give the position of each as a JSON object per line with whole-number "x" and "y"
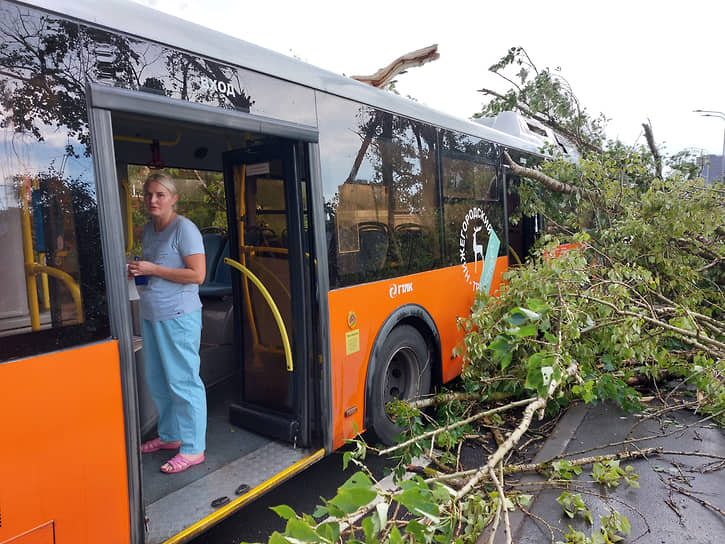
{"x": 194, "y": 271}
{"x": 141, "y": 268}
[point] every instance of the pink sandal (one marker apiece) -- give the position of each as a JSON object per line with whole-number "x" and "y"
{"x": 180, "y": 462}
{"x": 157, "y": 444}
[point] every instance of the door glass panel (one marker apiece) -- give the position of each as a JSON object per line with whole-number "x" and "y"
{"x": 263, "y": 249}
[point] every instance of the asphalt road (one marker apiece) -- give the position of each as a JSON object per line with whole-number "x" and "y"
{"x": 255, "y": 522}
{"x": 658, "y": 513}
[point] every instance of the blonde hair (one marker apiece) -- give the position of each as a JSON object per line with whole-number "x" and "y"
{"x": 162, "y": 179}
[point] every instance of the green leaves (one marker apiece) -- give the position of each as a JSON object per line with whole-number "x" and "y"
{"x": 284, "y": 511}
{"x": 356, "y": 492}
{"x": 609, "y": 474}
{"x": 574, "y": 506}
{"x": 609, "y": 532}
{"x": 519, "y": 316}
{"x": 541, "y": 369}
{"x": 544, "y": 93}
{"x": 564, "y": 470}
{"x": 417, "y": 498}
{"x": 522, "y": 325}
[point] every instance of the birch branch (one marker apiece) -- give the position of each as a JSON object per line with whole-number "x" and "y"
{"x": 515, "y": 436}
{"x": 457, "y": 424}
{"x": 548, "y": 181}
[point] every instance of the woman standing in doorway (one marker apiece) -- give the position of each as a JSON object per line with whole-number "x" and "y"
{"x": 174, "y": 264}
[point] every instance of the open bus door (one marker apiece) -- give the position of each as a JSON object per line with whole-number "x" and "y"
{"x": 241, "y": 463}
{"x": 268, "y": 227}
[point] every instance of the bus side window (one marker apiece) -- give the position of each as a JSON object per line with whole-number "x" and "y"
{"x": 52, "y": 293}
{"x": 44, "y": 230}
{"x": 388, "y": 198}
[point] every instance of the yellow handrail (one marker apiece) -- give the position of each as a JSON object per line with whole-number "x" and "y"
{"x": 32, "y": 269}
{"x": 272, "y": 306}
{"x": 75, "y": 291}
{"x": 274, "y": 277}
{"x": 516, "y": 255}
{"x": 44, "y": 287}
{"x": 241, "y": 207}
{"x": 264, "y": 249}
{"x": 30, "y": 280}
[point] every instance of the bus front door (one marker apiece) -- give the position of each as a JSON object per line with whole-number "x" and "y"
{"x": 266, "y": 196}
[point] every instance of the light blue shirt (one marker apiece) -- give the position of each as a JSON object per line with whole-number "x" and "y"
{"x": 163, "y": 299}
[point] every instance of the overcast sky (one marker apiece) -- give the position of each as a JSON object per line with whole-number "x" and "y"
{"x": 633, "y": 60}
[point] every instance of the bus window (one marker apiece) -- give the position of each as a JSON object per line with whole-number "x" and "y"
{"x": 472, "y": 198}
{"x": 52, "y": 290}
{"x": 380, "y": 193}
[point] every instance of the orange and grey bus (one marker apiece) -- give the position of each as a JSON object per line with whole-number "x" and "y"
{"x": 345, "y": 230}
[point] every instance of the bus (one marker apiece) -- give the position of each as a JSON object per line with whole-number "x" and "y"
{"x": 345, "y": 230}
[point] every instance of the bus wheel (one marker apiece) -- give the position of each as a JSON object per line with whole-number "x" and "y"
{"x": 403, "y": 372}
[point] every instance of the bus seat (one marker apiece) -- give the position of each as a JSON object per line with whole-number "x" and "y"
{"x": 213, "y": 243}
{"x": 220, "y": 278}
{"x": 373, "y": 245}
{"x": 411, "y": 245}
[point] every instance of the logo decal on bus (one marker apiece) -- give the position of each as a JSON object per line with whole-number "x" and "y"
{"x": 224, "y": 87}
{"x": 400, "y": 289}
{"x": 476, "y": 221}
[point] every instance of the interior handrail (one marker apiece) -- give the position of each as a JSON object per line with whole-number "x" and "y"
{"x": 75, "y": 291}
{"x": 31, "y": 285}
{"x": 516, "y": 256}
{"x": 272, "y": 306}
{"x": 274, "y": 277}
{"x": 32, "y": 269}
{"x": 264, "y": 249}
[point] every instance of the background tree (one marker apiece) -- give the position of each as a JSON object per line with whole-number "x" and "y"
{"x": 643, "y": 294}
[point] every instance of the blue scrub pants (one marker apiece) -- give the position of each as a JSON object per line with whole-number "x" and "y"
{"x": 171, "y": 360}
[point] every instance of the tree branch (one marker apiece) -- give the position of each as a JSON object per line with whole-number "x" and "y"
{"x": 545, "y": 121}
{"x": 547, "y": 181}
{"x": 649, "y": 135}
{"x": 460, "y": 423}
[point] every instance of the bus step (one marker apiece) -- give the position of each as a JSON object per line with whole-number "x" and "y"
{"x": 266, "y": 423}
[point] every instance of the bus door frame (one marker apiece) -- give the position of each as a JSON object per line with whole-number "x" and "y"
{"x": 102, "y": 101}
{"x": 295, "y": 426}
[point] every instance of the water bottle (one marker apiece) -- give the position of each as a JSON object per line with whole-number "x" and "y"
{"x": 140, "y": 280}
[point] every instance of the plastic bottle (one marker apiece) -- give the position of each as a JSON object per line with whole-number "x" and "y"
{"x": 140, "y": 280}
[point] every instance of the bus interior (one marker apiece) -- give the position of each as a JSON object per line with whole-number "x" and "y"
{"x": 258, "y": 406}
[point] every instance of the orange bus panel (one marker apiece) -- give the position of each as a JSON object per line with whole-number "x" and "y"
{"x": 39, "y": 535}
{"x": 62, "y": 451}
{"x": 445, "y": 294}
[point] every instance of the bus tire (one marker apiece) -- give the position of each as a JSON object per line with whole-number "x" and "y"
{"x": 403, "y": 371}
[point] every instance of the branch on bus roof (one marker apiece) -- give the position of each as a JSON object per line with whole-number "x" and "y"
{"x": 546, "y": 121}
{"x": 548, "y": 181}
{"x": 415, "y": 58}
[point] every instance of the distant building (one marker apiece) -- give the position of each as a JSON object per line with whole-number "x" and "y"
{"x": 711, "y": 167}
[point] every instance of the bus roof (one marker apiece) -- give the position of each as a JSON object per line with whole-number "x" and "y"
{"x": 137, "y": 20}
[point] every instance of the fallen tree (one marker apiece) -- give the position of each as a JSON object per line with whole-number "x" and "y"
{"x": 639, "y": 299}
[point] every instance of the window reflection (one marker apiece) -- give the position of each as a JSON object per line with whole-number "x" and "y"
{"x": 380, "y": 192}
{"x": 52, "y": 293}
{"x": 52, "y": 290}
{"x": 472, "y": 197}
{"x": 141, "y": 65}
{"x": 46, "y": 174}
